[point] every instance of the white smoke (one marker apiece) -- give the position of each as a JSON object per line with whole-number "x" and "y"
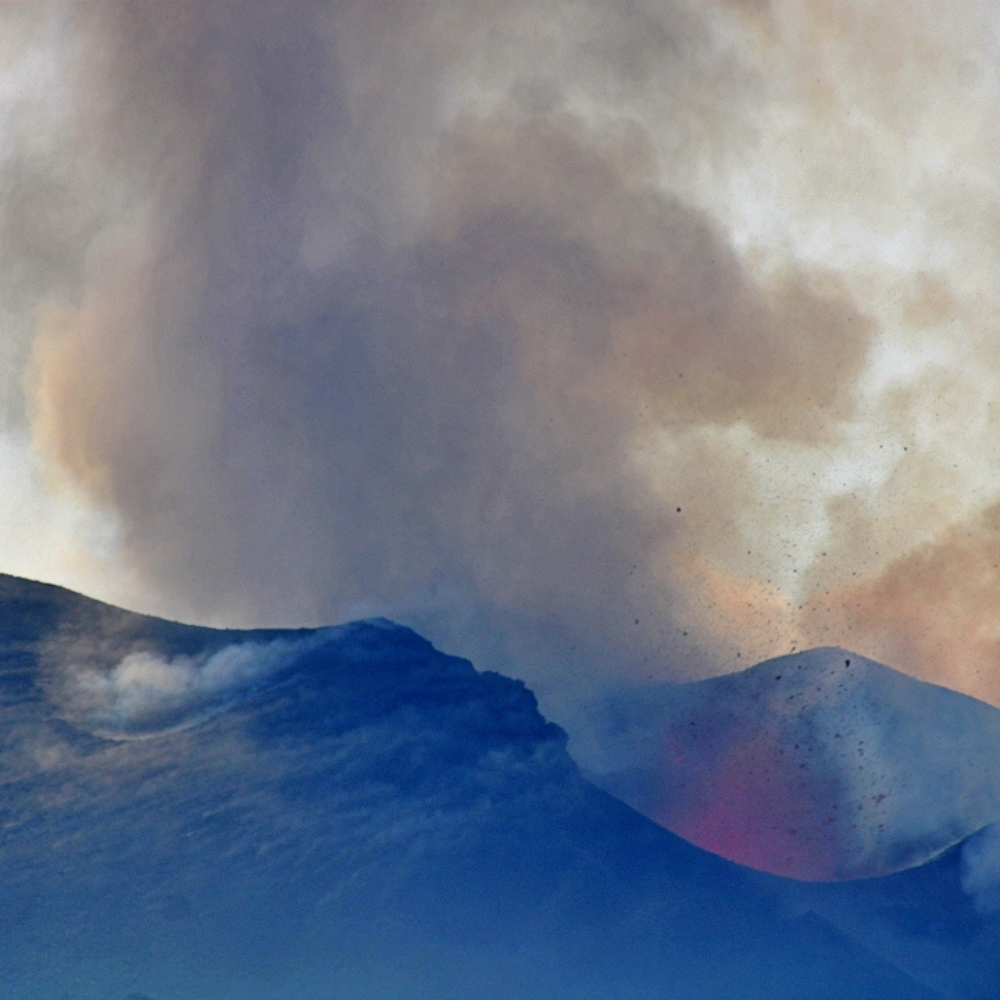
{"x": 981, "y": 868}
{"x": 146, "y": 694}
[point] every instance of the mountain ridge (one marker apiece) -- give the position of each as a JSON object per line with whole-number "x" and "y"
{"x": 375, "y": 819}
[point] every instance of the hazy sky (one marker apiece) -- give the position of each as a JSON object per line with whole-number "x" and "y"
{"x": 628, "y": 337}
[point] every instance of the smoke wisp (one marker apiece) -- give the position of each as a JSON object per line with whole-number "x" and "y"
{"x": 146, "y": 694}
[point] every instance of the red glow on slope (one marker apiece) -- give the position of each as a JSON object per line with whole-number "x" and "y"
{"x": 753, "y": 802}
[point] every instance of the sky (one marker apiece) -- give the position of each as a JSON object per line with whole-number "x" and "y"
{"x": 611, "y": 341}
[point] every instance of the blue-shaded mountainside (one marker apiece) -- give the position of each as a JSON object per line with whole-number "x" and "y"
{"x": 822, "y": 764}
{"x": 347, "y": 813}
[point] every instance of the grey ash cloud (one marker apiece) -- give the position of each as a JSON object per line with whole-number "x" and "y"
{"x": 598, "y": 340}
{"x": 347, "y": 339}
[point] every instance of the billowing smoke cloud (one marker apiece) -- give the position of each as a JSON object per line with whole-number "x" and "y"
{"x": 641, "y": 338}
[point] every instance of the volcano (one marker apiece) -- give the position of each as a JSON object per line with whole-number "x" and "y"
{"x": 192, "y": 814}
{"x": 825, "y": 765}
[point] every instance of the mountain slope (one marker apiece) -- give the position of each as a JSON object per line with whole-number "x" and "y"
{"x": 824, "y": 765}
{"x": 344, "y": 813}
